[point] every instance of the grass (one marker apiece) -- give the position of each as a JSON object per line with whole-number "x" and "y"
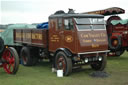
{"x": 41, "y": 74}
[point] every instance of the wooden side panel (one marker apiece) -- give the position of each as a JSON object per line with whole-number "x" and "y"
{"x": 26, "y": 35}
{"x": 17, "y": 35}
{"x": 33, "y": 37}
{"x": 39, "y": 37}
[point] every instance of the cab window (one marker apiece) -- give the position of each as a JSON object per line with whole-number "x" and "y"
{"x": 68, "y": 24}
{"x": 59, "y": 23}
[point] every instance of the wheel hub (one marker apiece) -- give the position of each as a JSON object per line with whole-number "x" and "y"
{"x": 60, "y": 64}
{"x": 115, "y": 42}
{"x": 8, "y": 63}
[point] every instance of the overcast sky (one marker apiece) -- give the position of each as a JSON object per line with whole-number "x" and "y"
{"x": 36, "y": 11}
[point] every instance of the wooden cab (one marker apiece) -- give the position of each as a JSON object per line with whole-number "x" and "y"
{"x": 79, "y": 33}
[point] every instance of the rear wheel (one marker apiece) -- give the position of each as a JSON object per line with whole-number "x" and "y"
{"x": 99, "y": 65}
{"x": 10, "y": 60}
{"x": 34, "y": 55}
{"x": 28, "y": 58}
{"x": 62, "y": 62}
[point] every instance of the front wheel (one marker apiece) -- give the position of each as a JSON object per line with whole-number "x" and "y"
{"x": 62, "y": 62}
{"x": 99, "y": 65}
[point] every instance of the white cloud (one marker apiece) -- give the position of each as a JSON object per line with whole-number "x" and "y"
{"x": 15, "y": 17}
{"x": 31, "y": 11}
{"x": 0, "y": 12}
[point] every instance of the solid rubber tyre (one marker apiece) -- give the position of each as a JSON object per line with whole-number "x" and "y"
{"x": 66, "y": 62}
{"x": 99, "y": 65}
{"x": 26, "y": 56}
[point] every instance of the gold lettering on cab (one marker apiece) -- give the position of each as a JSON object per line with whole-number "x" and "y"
{"x": 55, "y": 38}
{"x": 91, "y": 37}
{"x": 87, "y": 41}
{"x": 100, "y": 40}
{"x": 95, "y": 45}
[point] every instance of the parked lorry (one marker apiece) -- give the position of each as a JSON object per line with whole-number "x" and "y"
{"x": 117, "y": 30}
{"x": 71, "y": 39}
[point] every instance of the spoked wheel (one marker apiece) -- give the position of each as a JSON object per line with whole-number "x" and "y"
{"x": 99, "y": 65}
{"x": 64, "y": 63}
{"x": 10, "y": 60}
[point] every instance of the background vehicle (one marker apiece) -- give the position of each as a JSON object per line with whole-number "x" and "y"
{"x": 118, "y": 36}
{"x": 9, "y": 59}
{"x": 70, "y": 40}
{"x": 117, "y": 29}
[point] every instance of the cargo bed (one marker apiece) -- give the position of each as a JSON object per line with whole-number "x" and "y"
{"x": 32, "y": 37}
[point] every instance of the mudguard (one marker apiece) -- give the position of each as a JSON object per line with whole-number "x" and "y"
{"x": 66, "y": 51}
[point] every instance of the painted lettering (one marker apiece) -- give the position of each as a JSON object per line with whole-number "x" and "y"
{"x": 101, "y": 40}
{"x": 84, "y": 36}
{"x": 55, "y": 38}
{"x": 95, "y": 46}
{"x": 37, "y": 36}
{"x": 18, "y": 35}
{"x": 87, "y": 41}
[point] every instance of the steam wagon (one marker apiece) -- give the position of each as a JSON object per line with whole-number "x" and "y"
{"x": 71, "y": 39}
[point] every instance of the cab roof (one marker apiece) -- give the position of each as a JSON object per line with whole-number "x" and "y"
{"x": 75, "y": 15}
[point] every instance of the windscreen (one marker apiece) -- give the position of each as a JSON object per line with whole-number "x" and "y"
{"x": 90, "y": 23}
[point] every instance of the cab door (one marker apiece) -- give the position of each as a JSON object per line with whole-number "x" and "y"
{"x": 68, "y": 37}
{"x": 55, "y": 34}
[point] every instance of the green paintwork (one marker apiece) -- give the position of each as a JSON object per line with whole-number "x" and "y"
{"x": 115, "y": 22}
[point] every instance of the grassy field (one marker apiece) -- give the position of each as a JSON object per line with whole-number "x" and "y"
{"x": 117, "y": 68}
